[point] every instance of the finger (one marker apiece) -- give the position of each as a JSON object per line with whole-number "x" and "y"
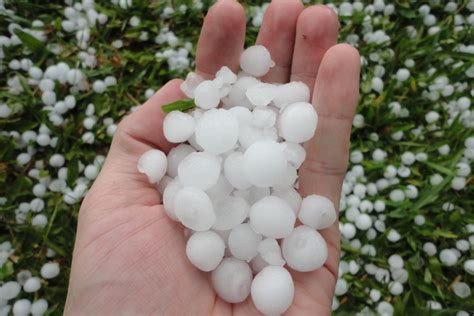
{"x": 277, "y": 34}
{"x": 222, "y": 38}
{"x": 316, "y": 31}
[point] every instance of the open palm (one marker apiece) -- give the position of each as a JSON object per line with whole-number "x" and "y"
{"x": 129, "y": 258}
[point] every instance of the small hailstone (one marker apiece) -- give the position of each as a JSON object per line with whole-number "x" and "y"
{"x": 43, "y": 139}
{"x": 205, "y": 250}
{"x": 385, "y": 309}
{"x": 429, "y": 248}
{"x": 436, "y": 179}
{"x": 298, "y": 121}
{"x": 23, "y": 158}
{"x": 420, "y": 220}
{"x": 22, "y": 307}
{"x": 194, "y": 209}
{"x": 393, "y": 236}
{"x": 256, "y": 60}
{"x": 358, "y": 121}
{"x": 444, "y": 150}
{"x": 448, "y": 257}
{"x": 463, "y": 169}
{"x": 397, "y": 195}
{"x": 363, "y": 222}
{"x": 91, "y": 172}
{"x": 233, "y": 170}
{"x": 243, "y": 242}
{"x": 9, "y": 290}
{"x": 469, "y": 266}
{"x": 317, "y": 211}
{"x": 39, "y": 307}
{"x": 39, "y": 221}
{"x": 264, "y": 163}
{"x": 272, "y": 217}
{"x": 462, "y": 245}
{"x": 56, "y": 160}
{"x": 432, "y": 117}
{"x": 175, "y": 156}
{"x": 396, "y": 261}
{"x": 272, "y": 290}
{"x": 348, "y": 230}
{"x": 270, "y": 251}
{"x": 32, "y": 285}
{"x": 153, "y": 163}
{"x": 206, "y": 94}
{"x": 341, "y": 287}
{"x": 396, "y": 288}
{"x": 462, "y": 289}
{"x": 50, "y": 270}
{"x": 88, "y": 138}
{"x": 230, "y": 212}
{"x": 377, "y": 84}
{"x": 458, "y": 183}
{"x": 217, "y": 122}
{"x": 178, "y": 126}
{"x": 99, "y": 86}
{"x": 304, "y": 249}
{"x": 232, "y": 280}
{"x": 289, "y": 93}
{"x": 199, "y": 169}
{"x": 403, "y": 74}
{"x": 39, "y": 190}
{"x": 5, "y": 111}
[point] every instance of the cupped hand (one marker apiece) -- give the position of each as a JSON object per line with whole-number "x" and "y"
{"x": 129, "y": 258}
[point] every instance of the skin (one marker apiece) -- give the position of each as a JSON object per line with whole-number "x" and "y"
{"x": 129, "y": 257}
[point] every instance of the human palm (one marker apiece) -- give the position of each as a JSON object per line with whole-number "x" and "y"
{"x": 129, "y": 258}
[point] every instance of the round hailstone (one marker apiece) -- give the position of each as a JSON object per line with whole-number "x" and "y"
{"x": 39, "y": 307}
{"x": 291, "y": 196}
{"x": 297, "y": 122}
{"x": 217, "y": 131}
{"x": 221, "y": 189}
{"x": 194, "y": 209}
{"x": 317, "y": 212}
{"x": 288, "y": 179}
{"x": 263, "y": 117}
{"x": 257, "y": 264}
{"x": 207, "y": 95}
{"x": 200, "y": 170}
{"x": 226, "y": 75}
{"x": 205, "y": 250}
{"x": 243, "y": 242}
{"x": 242, "y": 114}
{"x": 153, "y": 163}
{"x": 256, "y": 60}
{"x": 232, "y": 279}
{"x": 233, "y": 171}
{"x": 249, "y": 134}
{"x": 168, "y": 198}
{"x": 50, "y": 270}
{"x": 363, "y": 222}
{"x": 261, "y": 94}
{"x": 175, "y": 156}
{"x": 178, "y": 126}
{"x": 272, "y": 217}
{"x": 305, "y": 249}
{"x": 32, "y": 285}
{"x": 190, "y": 83}
{"x": 22, "y": 307}
{"x": 264, "y": 163}
{"x": 9, "y": 290}
{"x": 237, "y": 96}
{"x": 230, "y": 212}
{"x": 270, "y": 251}
{"x": 462, "y": 289}
{"x": 295, "y": 154}
{"x": 289, "y": 93}
{"x": 272, "y": 290}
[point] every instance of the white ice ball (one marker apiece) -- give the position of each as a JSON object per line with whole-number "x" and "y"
{"x": 273, "y": 290}
{"x": 205, "y": 250}
{"x": 207, "y": 95}
{"x": 295, "y": 154}
{"x": 178, "y": 126}
{"x": 153, "y": 163}
{"x": 317, "y": 211}
{"x": 272, "y": 217}
{"x": 256, "y": 60}
{"x": 261, "y": 94}
{"x": 233, "y": 171}
{"x": 292, "y": 92}
{"x": 298, "y": 122}
{"x": 220, "y": 190}
{"x": 232, "y": 279}
{"x": 39, "y": 307}
{"x": 237, "y": 95}
{"x": 291, "y": 196}
{"x": 199, "y": 169}
{"x": 194, "y": 209}
{"x": 305, "y": 249}
{"x": 22, "y": 307}
{"x": 230, "y": 211}
{"x": 270, "y": 251}
{"x": 9, "y": 290}
{"x": 217, "y": 131}
{"x": 31, "y": 285}
{"x": 50, "y": 270}
{"x": 243, "y": 242}
{"x": 175, "y": 156}
{"x": 168, "y": 198}
{"x": 264, "y": 163}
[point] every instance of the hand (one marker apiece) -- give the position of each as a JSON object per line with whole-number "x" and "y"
{"x": 129, "y": 258}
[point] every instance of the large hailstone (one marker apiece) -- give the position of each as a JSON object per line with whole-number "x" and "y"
{"x": 305, "y": 249}
{"x": 291, "y": 92}
{"x": 297, "y": 123}
{"x": 153, "y": 163}
{"x": 230, "y": 211}
{"x": 243, "y": 242}
{"x": 256, "y": 60}
{"x": 189, "y": 85}
{"x": 232, "y": 279}
{"x": 178, "y": 126}
{"x": 200, "y": 170}
{"x": 168, "y": 198}
{"x": 272, "y": 217}
{"x": 237, "y": 95}
{"x": 317, "y": 211}
{"x": 270, "y": 251}
{"x": 273, "y": 290}
{"x": 207, "y": 94}
{"x": 264, "y": 163}
{"x": 234, "y": 172}
{"x": 194, "y": 209}
{"x": 261, "y": 94}
{"x": 217, "y": 131}
{"x": 175, "y": 156}
{"x": 205, "y": 250}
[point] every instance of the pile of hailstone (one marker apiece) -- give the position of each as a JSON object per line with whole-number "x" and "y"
{"x": 232, "y": 182}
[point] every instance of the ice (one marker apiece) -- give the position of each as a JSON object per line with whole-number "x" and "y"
{"x": 263, "y": 117}
{"x": 256, "y": 194}
{"x": 168, "y": 198}
{"x": 50, "y": 270}
{"x": 233, "y": 171}
{"x": 272, "y": 217}
{"x": 261, "y": 94}
{"x": 175, "y": 156}
{"x": 242, "y": 114}
{"x": 217, "y": 131}
{"x": 178, "y": 126}
{"x": 305, "y": 249}
{"x": 257, "y": 264}
{"x": 153, "y": 163}
{"x": 243, "y": 242}
{"x": 221, "y": 189}
{"x": 290, "y": 93}
{"x": 9, "y": 290}
{"x": 189, "y": 85}
{"x": 295, "y": 154}
{"x": 273, "y": 290}
{"x": 264, "y": 163}
{"x": 161, "y": 186}
{"x": 226, "y": 75}
{"x": 317, "y": 211}
{"x": 237, "y": 95}
{"x": 39, "y": 307}
{"x": 205, "y": 250}
{"x": 230, "y": 211}
{"x": 194, "y": 209}
{"x": 256, "y": 60}
{"x": 249, "y": 134}
{"x": 207, "y": 95}
{"x": 200, "y": 170}
{"x": 232, "y": 279}
{"x": 297, "y": 123}
{"x": 270, "y": 251}
{"x": 288, "y": 179}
